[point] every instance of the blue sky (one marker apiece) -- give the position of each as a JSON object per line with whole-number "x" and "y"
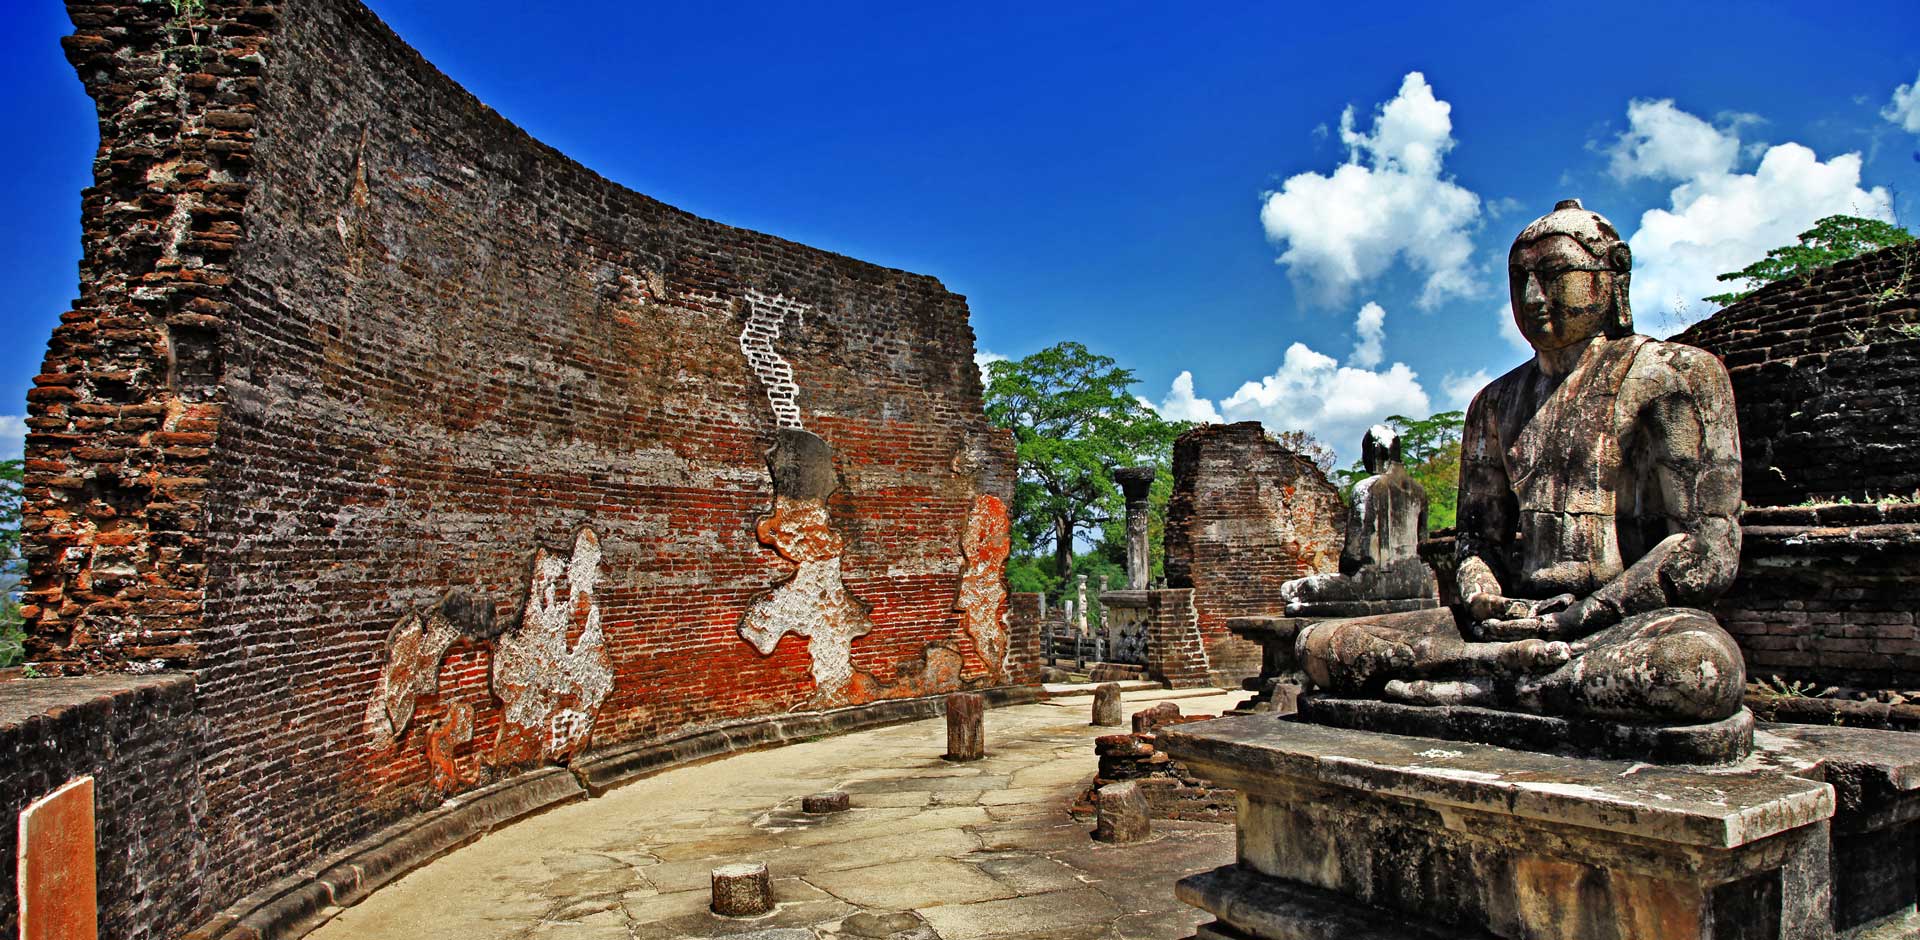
{"x": 1176, "y": 188}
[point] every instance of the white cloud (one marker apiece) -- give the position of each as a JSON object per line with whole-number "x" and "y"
{"x": 1726, "y": 221}
{"x": 13, "y": 436}
{"x": 1369, "y": 329}
{"x": 1390, "y": 201}
{"x": 1460, "y": 389}
{"x": 1719, "y": 219}
{"x": 1664, "y": 142}
{"x": 982, "y": 358}
{"x": 1313, "y": 392}
{"x": 1904, "y": 109}
{"x": 1182, "y": 405}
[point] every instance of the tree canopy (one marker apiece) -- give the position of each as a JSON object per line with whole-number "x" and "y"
{"x": 1073, "y": 420}
{"x": 1832, "y": 239}
{"x": 11, "y": 492}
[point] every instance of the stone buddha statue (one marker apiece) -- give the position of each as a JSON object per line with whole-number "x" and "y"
{"x": 1599, "y": 485}
{"x": 1380, "y": 566}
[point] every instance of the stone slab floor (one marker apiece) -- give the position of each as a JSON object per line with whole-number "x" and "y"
{"x": 930, "y": 850}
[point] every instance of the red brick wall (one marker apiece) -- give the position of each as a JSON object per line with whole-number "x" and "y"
{"x": 351, "y": 349}
{"x": 1247, "y": 515}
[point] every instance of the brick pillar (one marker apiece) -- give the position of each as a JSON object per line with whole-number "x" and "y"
{"x": 1175, "y": 653}
{"x": 1026, "y": 616}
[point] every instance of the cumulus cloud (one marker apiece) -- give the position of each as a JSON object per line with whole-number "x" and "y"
{"x": 13, "y": 436}
{"x": 1390, "y": 201}
{"x": 1904, "y": 109}
{"x": 1460, "y": 389}
{"x": 1369, "y": 330}
{"x": 1664, "y": 142}
{"x": 1720, "y": 219}
{"x": 1313, "y": 392}
{"x": 1182, "y": 405}
{"x": 983, "y": 358}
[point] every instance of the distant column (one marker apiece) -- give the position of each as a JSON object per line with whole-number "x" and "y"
{"x": 1080, "y": 610}
{"x": 1135, "y": 484}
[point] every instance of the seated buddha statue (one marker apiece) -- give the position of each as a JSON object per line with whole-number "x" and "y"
{"x": 1380, "y": 565}
{"x": 1599, "y": 486}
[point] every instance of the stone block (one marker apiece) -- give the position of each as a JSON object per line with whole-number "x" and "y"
{"x": 831, "y": 801}
{"x": 57, "y": 893}
{"x": 1485, "y": 841}
{"x": 1121, "y": 814}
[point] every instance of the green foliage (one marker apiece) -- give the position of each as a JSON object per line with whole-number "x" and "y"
{"x": 12, "y": 629}
{"x": 1832, "y": 239}
{"x": 1073, "y": 421}
{"x": 1430, "y": 448}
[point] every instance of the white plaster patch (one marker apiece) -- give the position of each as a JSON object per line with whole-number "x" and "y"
{"x": 765, "y": 315}
{"x": 551, "y": 688}
{"x": 1435, "y": 753}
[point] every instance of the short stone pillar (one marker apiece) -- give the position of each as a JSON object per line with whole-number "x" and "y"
{"x": 966, "y": 726}
{"x": 831, "y": 801}
{"x": 1106, "y": 705}
{"x": 1135, "y": 484}
{"x": 742, "y": 890}
{"x": 1120, "y": 813}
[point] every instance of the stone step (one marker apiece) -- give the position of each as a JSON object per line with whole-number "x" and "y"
{"x": 1066, "y": 689}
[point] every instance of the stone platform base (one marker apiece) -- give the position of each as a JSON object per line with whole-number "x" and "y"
{"x": 1422, "y": 836}
{"x": 1719, "y": 742}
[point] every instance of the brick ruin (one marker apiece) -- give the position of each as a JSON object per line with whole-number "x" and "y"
{"x": 432, "y": 457}
{"x": 1247, "y": 515}
{"x": 1826, "y": 378}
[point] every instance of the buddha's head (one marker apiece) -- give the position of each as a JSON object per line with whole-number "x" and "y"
{"x": 1568, "y": 275}
{"x": 1379, "y": 449}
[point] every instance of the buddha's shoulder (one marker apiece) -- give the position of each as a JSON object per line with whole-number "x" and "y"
{"x": 1666, "y": 363}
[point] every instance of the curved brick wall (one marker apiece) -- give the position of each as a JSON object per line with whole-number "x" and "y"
{"x": 1826, "y": 383}
{"x": 438, "y": 457}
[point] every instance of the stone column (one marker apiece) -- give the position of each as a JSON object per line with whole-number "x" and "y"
{"x": 1135, "y": 483}
{"x": 1106, "y": 704}
{"x": 1080, "y": 602}
{"x": 742, "y": 890}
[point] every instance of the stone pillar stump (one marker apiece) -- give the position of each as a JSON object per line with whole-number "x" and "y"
{"x": 966, "y": 726}
{"x": 1121, "y": 814}
{"x": 1106, "y": 705}
{"x": 742, "y": 890}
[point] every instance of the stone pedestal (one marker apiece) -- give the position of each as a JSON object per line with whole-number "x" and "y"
{"x": 1106, "y": 705}
{"x": 1348, "y": 833}
{"x": 966, "y": 726}
{"x": 1279, "y": 684}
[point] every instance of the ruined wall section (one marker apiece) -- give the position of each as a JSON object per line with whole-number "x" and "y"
{"x": 483, "y": 479}
{"x": 1247, "y": 515}
{"x": 1826, "y": 379}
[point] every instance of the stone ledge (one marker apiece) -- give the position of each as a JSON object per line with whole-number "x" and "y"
{"x": 25, "y": 701}
{"x": 302, "y": 901}
{"x": 1718, "y": 742}
{"x": 1271, "y": 908}
{"x": 1719, "y": 808}
{"x": 299, "y": 903}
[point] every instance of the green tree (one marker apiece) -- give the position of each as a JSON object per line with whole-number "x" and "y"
{"x": 1430, "y": 448}
{"x": 1832, "y": 239}
{"x": 11, "y": 626}
{"x": 1073, "y": 421}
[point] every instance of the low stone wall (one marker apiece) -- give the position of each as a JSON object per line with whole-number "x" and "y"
{"x": 1827, "y": 596}
{"x": 139, "y": 738}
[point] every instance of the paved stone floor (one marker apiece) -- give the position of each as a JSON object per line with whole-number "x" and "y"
{"x": 930, "y": 850}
